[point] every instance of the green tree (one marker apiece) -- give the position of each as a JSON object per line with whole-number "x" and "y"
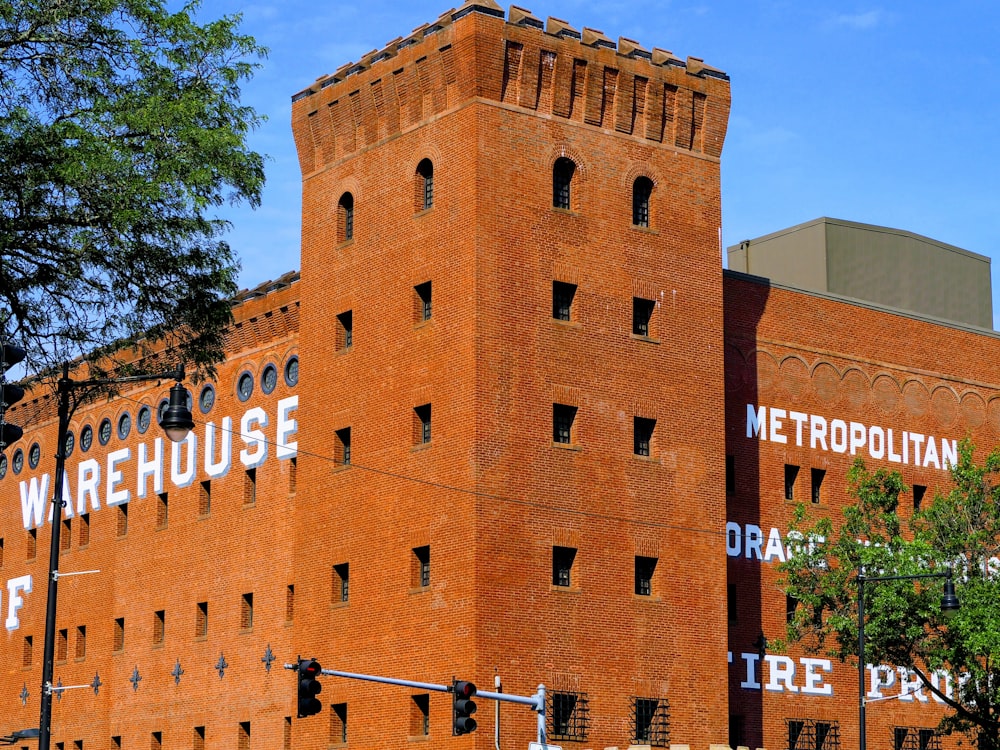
{"x": 121, "y": 132}
{"x": 904, "y": 626}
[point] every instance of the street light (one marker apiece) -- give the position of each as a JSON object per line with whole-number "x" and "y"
{"x": 18, "y": 735}
{"x": 176, "y": 421}
{"x": 949, "y": 605}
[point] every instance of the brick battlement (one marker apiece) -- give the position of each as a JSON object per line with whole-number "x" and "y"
{"x": 552, "y": 69}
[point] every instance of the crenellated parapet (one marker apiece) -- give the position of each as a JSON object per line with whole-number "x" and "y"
{"x": 549, "y": 68}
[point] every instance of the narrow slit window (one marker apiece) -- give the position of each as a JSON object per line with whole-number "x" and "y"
{"x": 421, "y": 572}
{"x": 791, "y": 474}
{"x": 250, "y": 487}
{"x": 343, "y": 447}
{"x": 642, "y": 191}
{"x": 341, "y": 582}
{"x": 818, "y": 475}
{"x": 562, "y": 179}
{"x": 425, "y": 185}
{"x": 345, "y": 218}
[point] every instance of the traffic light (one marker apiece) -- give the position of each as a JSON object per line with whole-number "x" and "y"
{"x": 309, "y": 687}
{"x": 9, "y": 394}
{"x": 462, "y": 707}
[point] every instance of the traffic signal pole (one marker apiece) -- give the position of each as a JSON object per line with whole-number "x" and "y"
{"x": 535, "y": 702}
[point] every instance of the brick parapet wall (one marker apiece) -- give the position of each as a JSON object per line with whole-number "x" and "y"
{"x": 555, "y": 71}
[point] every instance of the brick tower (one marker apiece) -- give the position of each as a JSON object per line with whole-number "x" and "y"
{"x": 512, "y": 297}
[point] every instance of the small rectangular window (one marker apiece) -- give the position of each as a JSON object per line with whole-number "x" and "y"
{"x": 156, "y": 741}
{"x": 287, "y": 744}
{"x": 563, "y": 295}
{"x": 732, "y": 604}
{"x": 422, "y": 301}
{"x": 562, "y": 566}
{"x": 344, "y": 338}
{"x": 420, "y": 715}
{"x": 293, "y": 478}
{"x": 62, "y": 644}
{"x": 791, "y": 473}
{"x": 642, "y": 316}
{"x": 121, "y": 527}
{"x": 250, "y": 487}
{"x": 338, "y": 724}
{"x": 650, "y": 721}
{"x": 118, "y": 642}
{"x": 201, "y": 620}
{"x": 642, "y": 432}
{"x": 159, "y": 627}
{"x": 919, "y": 491}
{"x": 1, "y": 551}
{"x": 342, "y": 449}
{"x": 66, "y": 537}
{"x": 420, "y": 574}
{"x": 791, "y": 604}
{"x": 32, "y": 546}
{"x": 116, "y": 743}
{"x": 77, "y": 744}
{"x": 730, "y": 475}
{"x": 198, "y": 742}
{"x": 162, "y": 506}
{"x": 205, "y": 498}
{"x": 341, "y": 582}
{"x": 568, "y": 715}
{"x": 290, "y": 603}
{"x": 29, "y": 651}
{"x": 563, "y": 417}
{"x": 246, "y": 612}
{"x": 243, "y": 742}
{"x": 644, "y": 569}
{"x": 422, "y": 424}
{"x": 83, "y": 535}
{"x": 81, "y": 642}
{"x": 817, "y": 484}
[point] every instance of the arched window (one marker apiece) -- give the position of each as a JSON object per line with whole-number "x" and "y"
{"x": 425, "y": 185}
{"x": 642, "y": 189}
{"x": 562, "y": 177}
{"x": 345, "y": 218}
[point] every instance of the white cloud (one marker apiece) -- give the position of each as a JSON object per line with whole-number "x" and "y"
{"x": 860, "y": 21}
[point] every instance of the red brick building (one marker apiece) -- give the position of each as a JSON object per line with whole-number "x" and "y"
{"x": 523, "y": 373}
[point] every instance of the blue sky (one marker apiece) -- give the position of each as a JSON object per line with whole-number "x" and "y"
{"x": 879, "y": 113}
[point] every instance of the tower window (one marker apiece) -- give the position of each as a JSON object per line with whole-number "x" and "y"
{"x": 562, "y": 566}
{"x": 642, "y": 189}
{"x": 422, "y": 424}
{"x": 562, "y": 300}
{"x": 422, "y": 301}
{"x": 563, "y": 417}
{"x": 642, "y": 316}
{"x": 345, "y": 218}
{"x": 420, "y": 574}
{"x": 343, "y": 447}
{"x": 425, "y": 185}
{"x": 345, "y": 330}
{"x": 341, "y": 582}
{"x": 562, "y": 178}
{"x": 644, "y": 569}
{"x": 642, "y": 435}
{"x": 201, "y": 620}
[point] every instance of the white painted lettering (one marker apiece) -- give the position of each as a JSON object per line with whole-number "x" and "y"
{"x": 14, "y": 599}
{"x": 838, "y": 436}
{"x": 776, "y": 416}
{"x": 183, "y": 478}
{"x": 216, "y": 469}
{"x": 857, "y": 437}
{"x": 33, "y": 494}
{"x": 757, "y": 422}
{"x": 780, "y": 674}
{"x": 286, "y": 428}
{"x": 814, "y": 684}
{"x": 114, "y": 495}
{"x": 256, "y": 451}
{"x": 150, "y": 468}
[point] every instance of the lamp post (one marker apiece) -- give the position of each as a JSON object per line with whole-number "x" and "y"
{"x": 949, "y": 605}
{"x": 176, "y": 421}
